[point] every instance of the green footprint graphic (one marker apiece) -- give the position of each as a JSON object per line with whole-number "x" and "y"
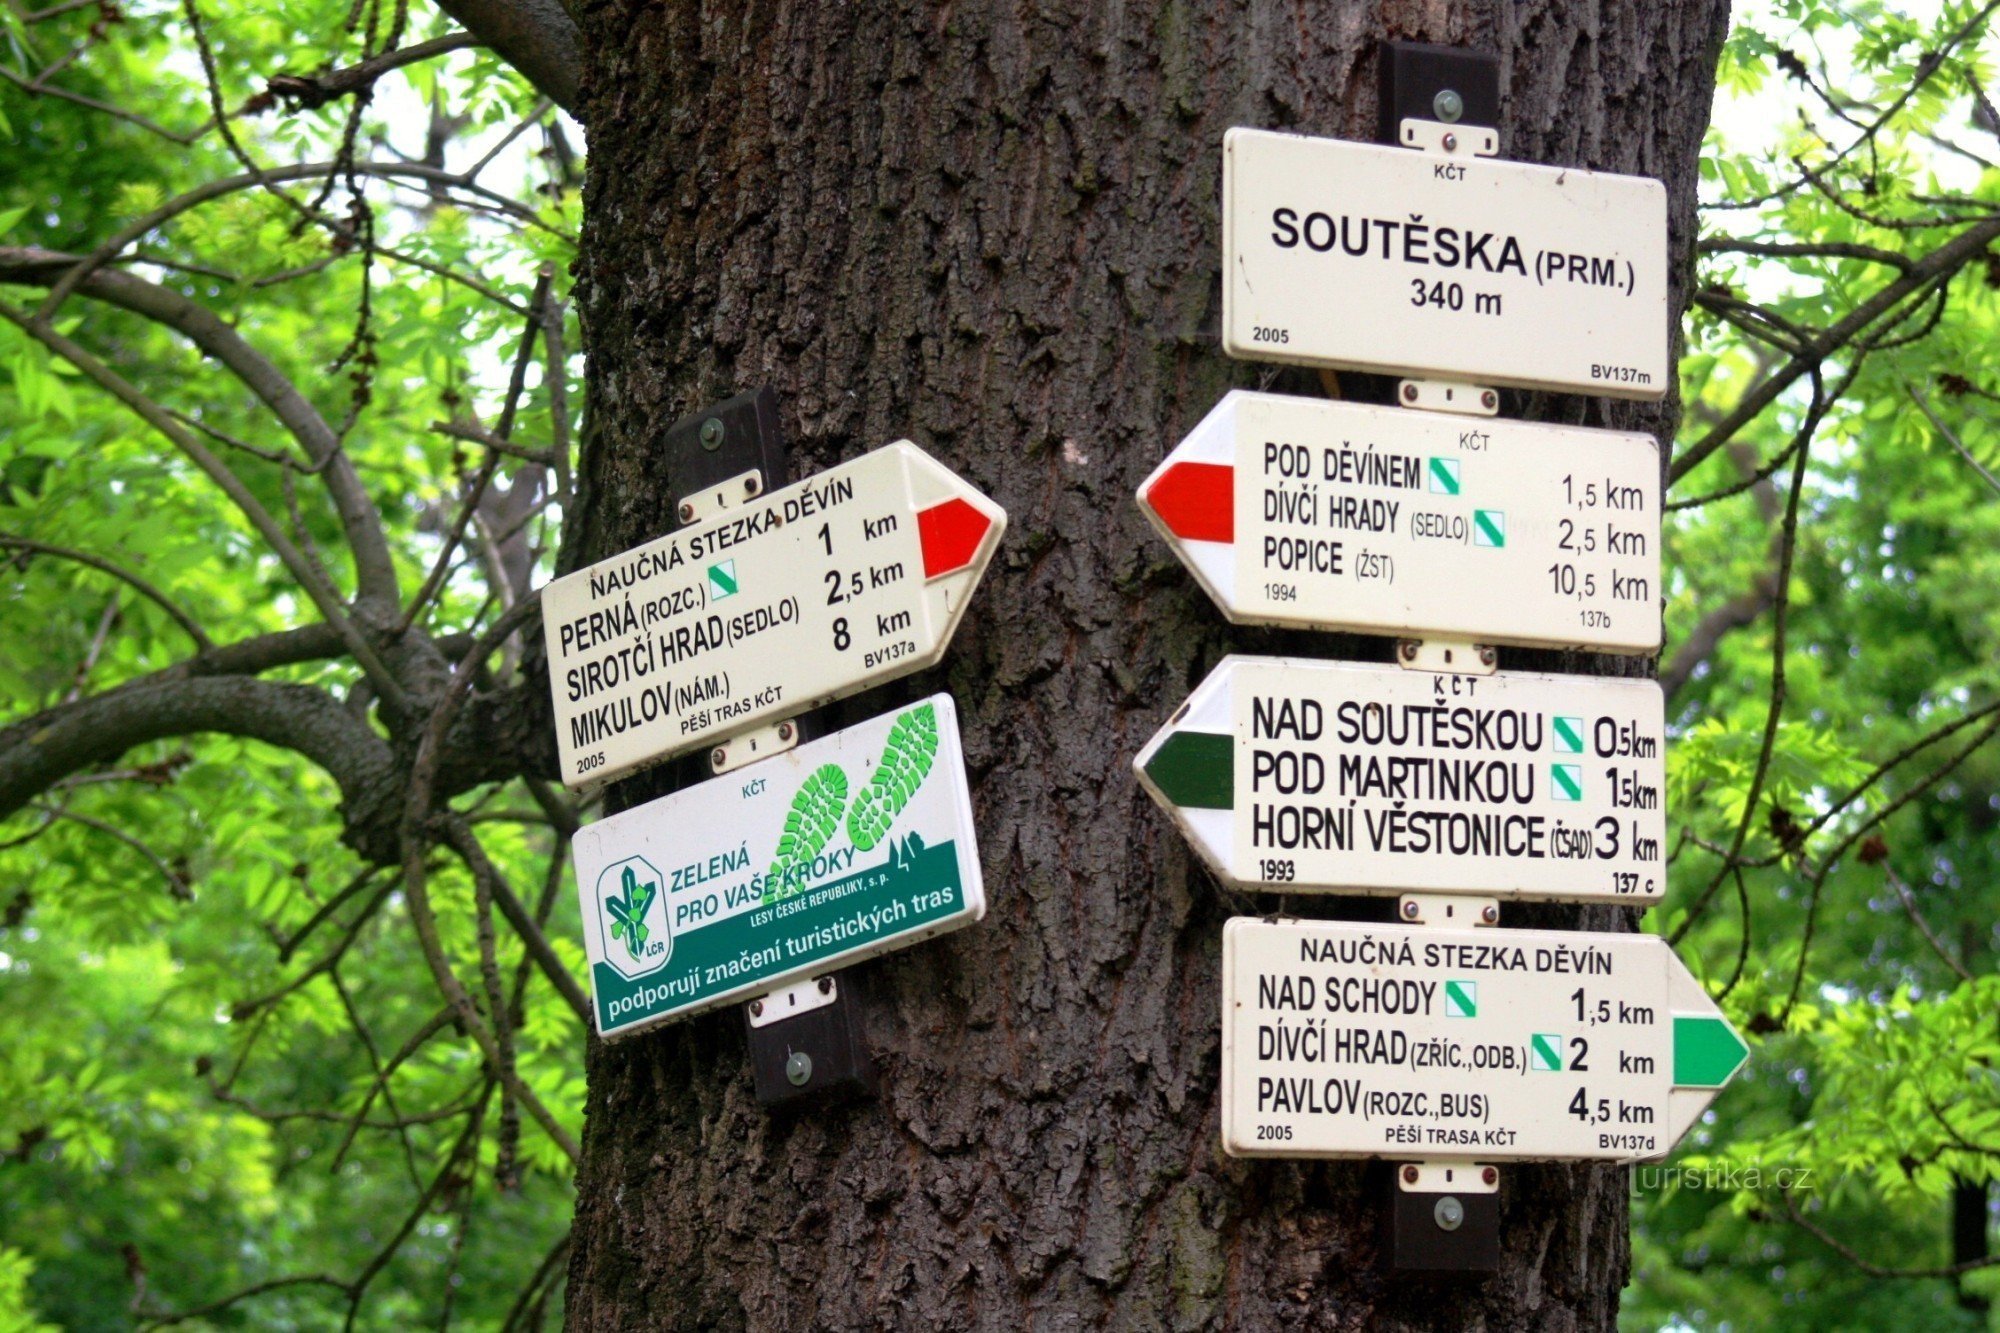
{"x": 906, "y": 761}
{"x": 809, "y": 826}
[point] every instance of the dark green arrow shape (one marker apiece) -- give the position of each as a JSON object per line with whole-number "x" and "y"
{"x": 1706, "y": 1051}
{"x": 1196, "y": 770}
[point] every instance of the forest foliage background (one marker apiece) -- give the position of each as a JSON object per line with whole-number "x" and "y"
{"x": 232, "y": 1091}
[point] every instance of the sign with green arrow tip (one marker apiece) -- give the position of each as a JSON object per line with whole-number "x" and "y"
{"x": 1428, "y": 1043}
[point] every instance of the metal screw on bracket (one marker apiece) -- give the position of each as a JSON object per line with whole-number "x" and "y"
{"x": 756, "y": 1008}
{"x": 1409, "y": 1175}
{"x": 711, "y": 429}
{"x": 752, "y": 485}
{"x": 1489, "y": 914}
{"x": 1409, "y": 393}
{"x": 799, "y": 1069}
{"x": 718, "y": 756}
{"x": 1486, "y": 657}
{"x": 1448, "y": 105}
{"x": 1490, "y": 1176}
{"x": 1410, "y": 910}
{"x": 826, "y": 985}
{"x": 1450, "y": 1213}
{"x": 687, "y": 511}
{"x": 1409, "y": 650}
{"x": 1451, "y": 143}
{"x": 784, "y": 731}
{"x": 1489, "y": 399}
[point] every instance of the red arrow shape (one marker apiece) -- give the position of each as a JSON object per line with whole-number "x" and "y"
{"x": 1197, "y": 501}
{"x": 950, "y": 533}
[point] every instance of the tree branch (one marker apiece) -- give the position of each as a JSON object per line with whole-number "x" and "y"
{"x": 39, "y": 752}
{"x": 459, "y": 834}
{"x": 154, "y": 415}
{"x": 316, "y": 90}
{"x": 177, "y": 887}
{"x": 1924, "y": 927}
{"x": 1713, "y": 627}
{"x": 1923, "y": 405}
{"x": 1940, "y": 263}
{"x": 537, "y": 37}
{"x": 1715, "y": 245}
{"x": 1782, "y": 582}
{"x": 375, "y": 572}
{"x": 126, "y": 576}
{"x": 266, "y": 178}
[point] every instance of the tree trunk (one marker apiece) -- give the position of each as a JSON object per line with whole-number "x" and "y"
{"x": 994, "y": 229}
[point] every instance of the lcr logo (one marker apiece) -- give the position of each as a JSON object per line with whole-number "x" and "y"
{"x": 632, "y": 917}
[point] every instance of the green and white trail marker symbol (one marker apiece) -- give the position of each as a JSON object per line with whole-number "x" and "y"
{"x": 1444, "y": 476}
{"x": 1390, "y": 520}
{"x": 722, "y": 580}
{"x": 1545, "y": 1052}
{"x": 1292, "y": 775}
{"x": 1468, "y": 1044}
{"x": 848, "y": 846}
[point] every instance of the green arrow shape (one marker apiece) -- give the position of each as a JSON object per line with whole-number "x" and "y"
{"x": 1196, "y": 770}
{"x": 1706, "y": 1051}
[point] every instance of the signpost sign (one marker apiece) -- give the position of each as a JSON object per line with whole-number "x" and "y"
{"x": 1289, "y": 775}
{"x": 1494, "y": 272}
{"x": 820, "y": 589}
{"x": 1331, "y": 515}
{"x": 848, "y": 846}
{"x": 1342, "y": 1039}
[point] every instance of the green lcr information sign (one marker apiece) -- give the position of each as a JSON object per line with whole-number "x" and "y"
{"x": 848, "y": 846}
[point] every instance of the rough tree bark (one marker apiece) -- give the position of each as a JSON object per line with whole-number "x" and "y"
{"x": 994, "y": 228}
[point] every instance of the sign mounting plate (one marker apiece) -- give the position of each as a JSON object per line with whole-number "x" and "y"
{"x": 806, "y": 594}
{"x": 1290, "y": 775}
{"x": 1383, "y": 259}
{"x": 1344, "y": 516}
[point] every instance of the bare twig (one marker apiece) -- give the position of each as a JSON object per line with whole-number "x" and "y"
{"x": 1923, "y": 926}
{"x": 1788, "y": 544}
{"x": 316, "y": 90}
{"x": 1950, "y": 438}
{"x": 1805, "y": 250}
{"x": 1862, "y": 1264}
{"x": 177, "y": 885}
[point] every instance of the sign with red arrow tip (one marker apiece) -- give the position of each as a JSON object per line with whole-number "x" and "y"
{"x": 1382, "y": 520}
{"x": 813, "y": 592}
